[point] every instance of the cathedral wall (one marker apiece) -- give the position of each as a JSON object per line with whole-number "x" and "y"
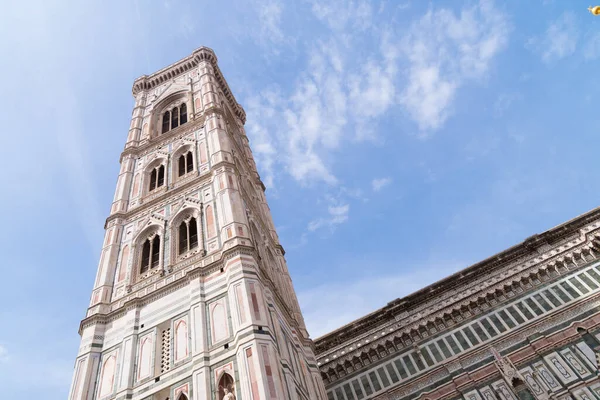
{"x": 539, "y": 311}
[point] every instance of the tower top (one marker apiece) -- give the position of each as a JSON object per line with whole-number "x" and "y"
{"x": 148, "y": 82}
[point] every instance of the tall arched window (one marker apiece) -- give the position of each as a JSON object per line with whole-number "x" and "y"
{"x": 188, "y": 235}
{"x": 157, "y": 177}
{"x": 174, "y": 117}
{"x": 150, "y": 254}
{"x": 189, "y": 164}
{"x": 185, "y": 163}
{"x": 166, "y": 123}
{"x": 182, "y": 114}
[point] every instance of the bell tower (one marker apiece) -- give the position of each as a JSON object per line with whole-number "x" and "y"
{"x": 192, "y": 299}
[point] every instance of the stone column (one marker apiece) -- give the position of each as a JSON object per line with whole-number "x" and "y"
{"x": 102, "y": 293}
{"x": 134, "y": 136}
{"x": 83, "y": 386}
{"x": 128, "y": 354}
{"x": 124, "y": 181}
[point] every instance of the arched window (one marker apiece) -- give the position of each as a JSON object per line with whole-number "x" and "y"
{"x": 153, "y": 175}
{"x": 182, "y": 114}
{"x": 225, "y": 386}
{"x": 181, "y": 163}
{"x": 185, "y": 163}
{"x": 157, "y": 177}
{"x": 161, "y": 176}
{"x": 150, "y": 254}
{"x": 174, "y": 118}
{"x": 189, "y": 165}
{"x": 188, "y": 235}
{"x": 166, "y": 123}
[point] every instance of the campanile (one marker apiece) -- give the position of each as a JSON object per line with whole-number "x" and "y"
{"x": 192, "y": 299}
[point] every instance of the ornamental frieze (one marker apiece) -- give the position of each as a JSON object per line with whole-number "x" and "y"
{"x": 587, "y": 244}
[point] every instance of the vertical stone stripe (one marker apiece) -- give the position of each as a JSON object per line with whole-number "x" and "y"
{"x": 220, "y": 328}
{"x": 145, "y": 358}
{"x": 240, "y": 303}
{"x": 126, "y": 364}
{"x": 252, "y": 373}
{"x": 254, "y": 300}
{"x": 198, "y": 329}
{"x": 181, "y": 339}
{"x": 107, "y": 377}
{"x": 77, "y": 383}
{"x": 203, "y": 158}
{"x": 124, "y": 262}
{"x": 210, "y": 222}
{"x": 108, "y": 237}
{"x": 269, "y": 373}
{"x": 136, "y": 186}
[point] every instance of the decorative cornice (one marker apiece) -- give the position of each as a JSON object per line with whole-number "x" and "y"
{"x": 167, "y": 197}
{"x": 190, "y": 269}
{"x": 416, "y": 327}
{"x": 505, "y": 343}
{"x": 168, "y": 137}
{"x": 203, "y": 54}
{"x": 400, "y": 308}
{"x": 120, "y": 306}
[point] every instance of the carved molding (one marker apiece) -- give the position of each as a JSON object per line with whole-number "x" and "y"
{"x": 459, "y": 306}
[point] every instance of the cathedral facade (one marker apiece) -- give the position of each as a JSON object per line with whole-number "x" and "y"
{"x": 522, "y": 324}
{"x": 192, "y": 298}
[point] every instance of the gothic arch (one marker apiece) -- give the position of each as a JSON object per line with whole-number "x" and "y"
{"x": 187, "y": 212}
{"x": 147, "y": 233}
{"x": 181, "y": 347}
{"x": 182, "y": 396}
{"x": 108, "y": 376}
{"x": 153, "y": 165}
{"x": 225, "y": 382}
{"x": 176, "y": 98}
{"x": 183, "y": 150}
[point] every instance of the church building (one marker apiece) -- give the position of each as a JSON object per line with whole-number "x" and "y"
{"x": 193, "y": 299}
{"x": 522, "y": 324}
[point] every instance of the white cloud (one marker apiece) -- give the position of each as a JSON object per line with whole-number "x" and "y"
{"x": 559, "y": 41}
{"x": 380, "y": 183}
{"x": 335, "y": 97}
{"x": 342, "y": 15}
{"x": 269, "y": 17}
{"x": 337, "y": 214}
{"x": 347, "y": 301}
{"x": 338, "y": 101}
{"x": 3, "y": 354}
{"x": 591, "y": 50}
{"x": 504, "y": 101}
{"x": 444, "y": 51}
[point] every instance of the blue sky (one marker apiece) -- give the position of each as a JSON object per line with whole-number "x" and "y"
{"x": 400, "y": 142}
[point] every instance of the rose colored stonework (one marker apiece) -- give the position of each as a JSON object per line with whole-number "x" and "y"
{"x": 182, "y": 305}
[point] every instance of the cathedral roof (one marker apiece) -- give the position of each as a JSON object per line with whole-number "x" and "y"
{"x": 401, "y": 307}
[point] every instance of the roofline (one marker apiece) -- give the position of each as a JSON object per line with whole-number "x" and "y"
{"x": 149, "y": 82}
{"x": 526, "y": 247}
